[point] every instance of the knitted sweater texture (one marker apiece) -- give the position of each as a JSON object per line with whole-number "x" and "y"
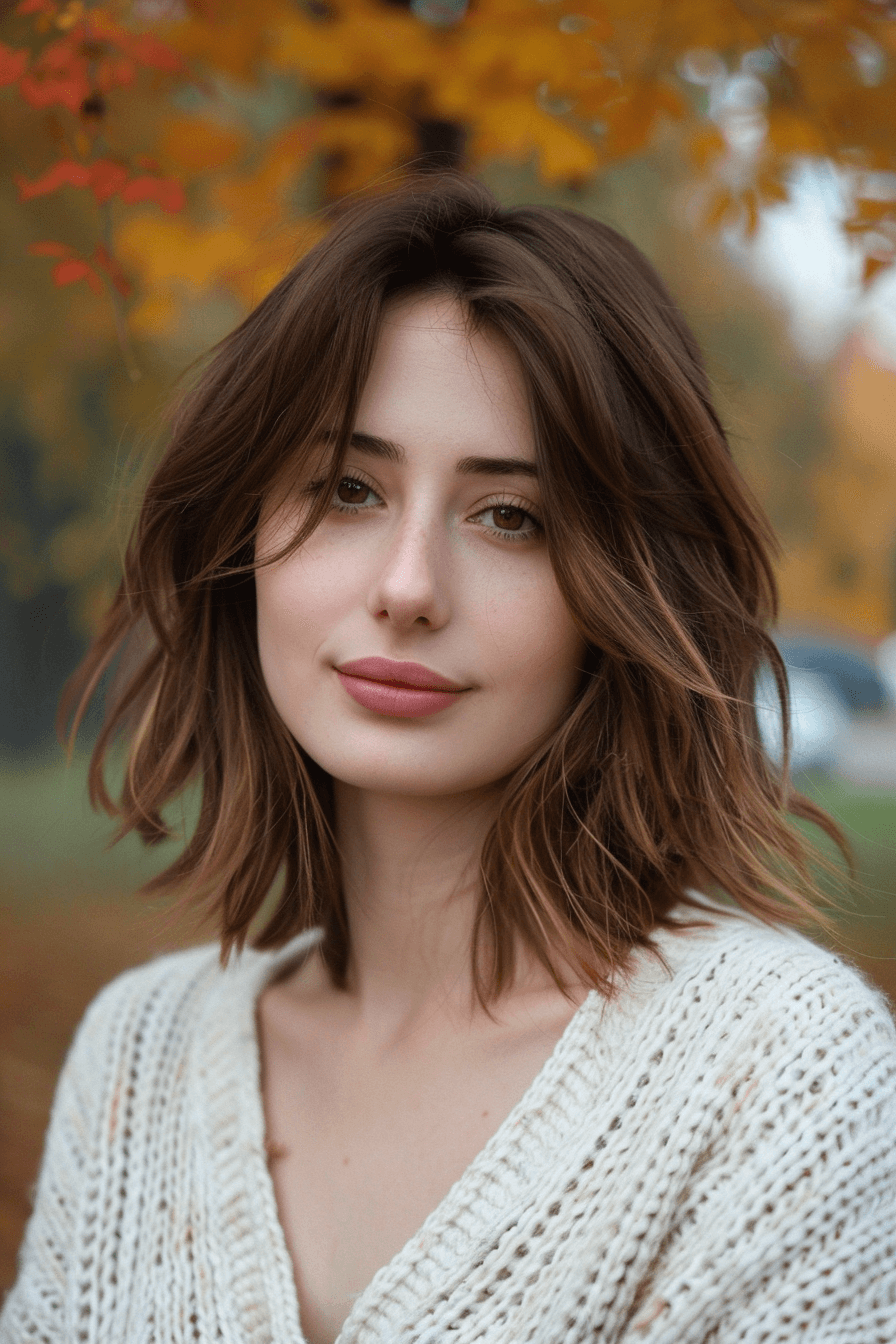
{"x": 710, "y": 1157}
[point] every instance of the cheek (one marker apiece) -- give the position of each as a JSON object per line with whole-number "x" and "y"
{"x": 535, "y": 649}
{"x": 295, "y": 610}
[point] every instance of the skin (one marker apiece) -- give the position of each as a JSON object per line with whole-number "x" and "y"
{"x": 377, "y": 1097}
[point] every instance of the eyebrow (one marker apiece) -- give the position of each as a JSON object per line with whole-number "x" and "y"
{"x": 373, "y": 445}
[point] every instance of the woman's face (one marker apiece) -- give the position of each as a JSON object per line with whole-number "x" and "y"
{"x": 432, "y": 562}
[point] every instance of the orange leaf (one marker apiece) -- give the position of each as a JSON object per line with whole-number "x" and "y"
{"x": 74, "y": 269}
{"x": 771, "y": 188}
{"x": 706, "y": 144}
{"x": 873, "y": 265}
{"x": 752, "y": 213}
{"x": 868, "y": 211}
{"x": 718, "y": 210}
{"x": 198, "y": 146}
{"x": 165, "y": 191}
{"x": 35, "y": 7}
{"x": 790, "y": 133}
{"x": 13, "y": 64}
{"x": 49, "y": 249}
{"x": 66, "y": 173}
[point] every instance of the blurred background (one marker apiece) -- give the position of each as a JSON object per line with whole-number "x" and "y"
{"x": 163, "y": 161}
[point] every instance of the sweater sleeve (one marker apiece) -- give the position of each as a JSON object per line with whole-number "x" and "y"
{"x": 35, "y": 1307}
{"x": 788, "y": 1229}
{"x": 62, "y": 1257}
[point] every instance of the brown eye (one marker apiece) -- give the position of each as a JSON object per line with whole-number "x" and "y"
{"x": 349, "y": 491}
{"x": 507, "y": 518}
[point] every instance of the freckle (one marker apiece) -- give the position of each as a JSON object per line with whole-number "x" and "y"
{"x": 345, "y": 1161}
{"x": 484, "y": 1114}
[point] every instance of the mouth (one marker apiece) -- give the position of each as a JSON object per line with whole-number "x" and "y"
{"x": 398, "y": 690}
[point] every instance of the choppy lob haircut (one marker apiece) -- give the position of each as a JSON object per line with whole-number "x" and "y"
{"x": 654, "y": 782}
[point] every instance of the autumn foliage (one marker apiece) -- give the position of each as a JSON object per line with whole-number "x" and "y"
{"x": 212, "y": 136}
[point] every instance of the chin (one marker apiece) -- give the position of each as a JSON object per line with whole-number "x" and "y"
{"x": 405, "y": 778}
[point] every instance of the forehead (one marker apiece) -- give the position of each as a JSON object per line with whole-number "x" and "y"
{"x": 436, "y": 375}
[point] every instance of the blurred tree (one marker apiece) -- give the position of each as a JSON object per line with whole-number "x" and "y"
{"x": 240, "y": 118}
{"x": 168, "y": 159}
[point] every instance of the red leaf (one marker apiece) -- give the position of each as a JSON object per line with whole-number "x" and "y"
{"x": 119, "y": 73}
{"x": 48, "y": 249}
{"x": 106, "y": 178}
{"x": 165, "y": 191}
{"x": 35, "y": 7}
{"x": 44, "y": 89}
{"x": 66, "y": 173}
{"x": 74, "y": 269}
{"x": 148, "y": 50}
{"x": 13, "y": 64}
{"x": 104, "y": 258}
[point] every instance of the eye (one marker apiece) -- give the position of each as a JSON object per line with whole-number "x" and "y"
{"x": 509, "y": 521}
{"x": 352, "y": 494}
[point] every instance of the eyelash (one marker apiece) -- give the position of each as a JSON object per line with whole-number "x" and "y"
{"x": 503, "y": 533}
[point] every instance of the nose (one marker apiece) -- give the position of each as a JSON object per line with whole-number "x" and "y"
{"x": 411, "y": 586}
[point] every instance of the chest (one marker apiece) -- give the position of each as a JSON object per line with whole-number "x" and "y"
{"x": 363, "y": 1148}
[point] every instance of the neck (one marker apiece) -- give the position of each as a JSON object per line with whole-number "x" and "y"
{"x": 410, "y": 870}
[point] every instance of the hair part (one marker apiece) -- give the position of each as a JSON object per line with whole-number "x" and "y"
{"x": 654, "y": 782}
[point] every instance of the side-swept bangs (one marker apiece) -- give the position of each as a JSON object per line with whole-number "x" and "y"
{"x": 655, "y": 781}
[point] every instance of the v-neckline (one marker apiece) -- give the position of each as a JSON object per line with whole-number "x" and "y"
{"x": 468, "y": 1215}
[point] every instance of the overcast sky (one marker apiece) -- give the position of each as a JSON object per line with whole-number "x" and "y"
{"x": 801, "y": 255}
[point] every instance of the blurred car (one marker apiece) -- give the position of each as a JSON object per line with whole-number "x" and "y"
{"x": 833, "y": 686}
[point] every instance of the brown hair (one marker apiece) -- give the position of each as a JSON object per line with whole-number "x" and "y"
{"x": 656, "y": 778}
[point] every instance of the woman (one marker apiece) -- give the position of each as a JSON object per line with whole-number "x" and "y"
{"x": 449, "y": 593}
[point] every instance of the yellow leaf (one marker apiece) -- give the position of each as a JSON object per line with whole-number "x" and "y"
{"x": 567, "y": 156}
{"x": 364, "y": 43}
{"x": 791, "y": 133}
{"x": 706, "y": 144}
{"x": 252, "y": 200}
{"x": 231, "y": 40}
{"x": 631, "y": 122}
{"x": 162, "y": 251}
{"x": 366, "y": 143}
{"x": 517, "y": 129}
{"x": 155, "y": 315}
{"x": 192, "y": 145}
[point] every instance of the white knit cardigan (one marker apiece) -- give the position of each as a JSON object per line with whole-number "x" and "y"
{"x": 709, "y": 1157}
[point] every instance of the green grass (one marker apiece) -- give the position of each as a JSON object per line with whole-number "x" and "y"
{"x": 867, "y": 818}
{"x": 53, "y": 844}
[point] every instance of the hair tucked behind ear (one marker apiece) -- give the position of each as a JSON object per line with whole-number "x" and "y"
{"x": 656, "y": 780}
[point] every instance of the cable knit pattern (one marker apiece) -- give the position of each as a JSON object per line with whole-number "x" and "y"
{"x": 708, "y": 1159}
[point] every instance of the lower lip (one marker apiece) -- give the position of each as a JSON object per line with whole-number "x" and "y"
{"x": 397, "y": 702}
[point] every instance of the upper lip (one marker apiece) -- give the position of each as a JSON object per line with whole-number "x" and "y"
{"x": 413, "y": 675}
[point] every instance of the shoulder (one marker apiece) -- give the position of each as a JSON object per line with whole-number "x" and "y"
{"x": 743, "y": 964}
{"x": 772, "y": 1003}
{"x": 148, "y": 1020}
{"x": 159, "y": 989}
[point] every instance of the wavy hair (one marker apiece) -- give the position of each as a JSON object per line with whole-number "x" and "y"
{"x": 655, "y": 781}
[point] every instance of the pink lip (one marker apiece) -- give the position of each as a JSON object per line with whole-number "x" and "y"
{"x": 398, "y": 690}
